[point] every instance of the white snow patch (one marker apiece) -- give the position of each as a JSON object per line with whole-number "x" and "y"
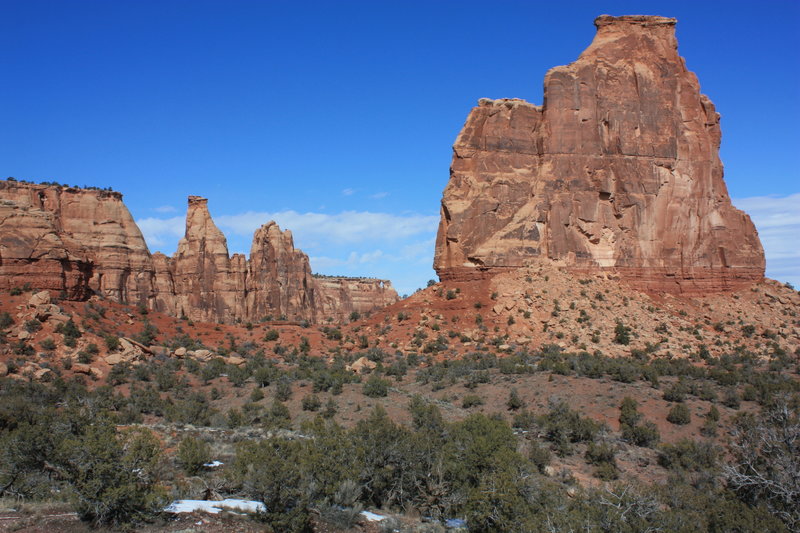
{"x": 372, "y": 517}
{"x": 214, "y": 507}
{"x": 214, "y": 464}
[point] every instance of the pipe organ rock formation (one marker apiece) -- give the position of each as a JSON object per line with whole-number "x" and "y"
{"x": 78, "y": 242}
{"x": 617, "y": 171}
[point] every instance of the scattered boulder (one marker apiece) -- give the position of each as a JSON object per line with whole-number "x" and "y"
{"x": 40, "y": 298}
{"x": 360, "y": 365}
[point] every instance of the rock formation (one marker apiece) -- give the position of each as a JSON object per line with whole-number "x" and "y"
{"x": 617, "y": 171}
{"x": 78, "y": 242}
{"x": 54, "y": 238}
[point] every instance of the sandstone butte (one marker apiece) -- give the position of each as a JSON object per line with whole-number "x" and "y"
{"x": 617, "y": 172}
{"x": 80, "y": 242}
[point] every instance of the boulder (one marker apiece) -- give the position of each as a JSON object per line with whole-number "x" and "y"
{"x": 39, "y": 298}
{"x": 360, "y": 365}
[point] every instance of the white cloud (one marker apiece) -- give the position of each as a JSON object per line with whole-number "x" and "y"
{"x": 164, "y": 209}
{"x": 777, "y": 219}
{"x": 162, "y": 232}
{"x": 379, "y": 195}
{"x": 348, "y": 192}
{"x": 347, "y": 227}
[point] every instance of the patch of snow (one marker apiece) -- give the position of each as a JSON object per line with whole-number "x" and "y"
{"x": 372, "y": 517}
{"x": 214, "y": 464}
{"x": 455, "y": 522}
{"x": 214, "y": 507}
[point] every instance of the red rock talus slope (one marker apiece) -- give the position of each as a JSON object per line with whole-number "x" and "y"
{"x": 617, "y": 171}
{"x": 79, "y": 242}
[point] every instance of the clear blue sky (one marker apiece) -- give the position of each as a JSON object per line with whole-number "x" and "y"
{"x": 337, "y": 118}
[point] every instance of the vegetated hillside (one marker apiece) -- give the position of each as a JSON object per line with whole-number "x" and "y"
{"x": 535, "y": 397}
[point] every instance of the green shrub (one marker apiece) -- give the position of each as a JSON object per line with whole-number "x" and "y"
{"x": 112, "y": 342}
{"x": 48, "y": 344}
{"x": 622, "y": 334}
{"x": 514, "y": 401}
{"x": 471, "y": 400}
{"x": 6, "y": 320}
{"x": 113, "y": 477}
{"x": 271, "y": 335}
{"x": 689, "y": 455}
{"x": 32, "y": 325}
{"x": 679, "y": 415}
{"x": 375, "y": 387}
{"x": 676, "y": 393}
{"x": 311, "y": 402}
{"x": 193, "y": 453}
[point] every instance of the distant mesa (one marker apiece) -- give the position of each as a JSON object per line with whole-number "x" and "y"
{"x": 618, "y": 172}
{"x": 79, "y": 242}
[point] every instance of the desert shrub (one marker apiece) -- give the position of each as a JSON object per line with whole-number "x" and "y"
{"x": 271, "y": 335}
{"x": 375, "y": 387}
{"x": 766, "y": 460}
{"x": 622, "y": 334}
{"x": 731, "y": 398}
{"x": 193, "y": 453}
{"x": 676, "y": 393}
{"x": 6, "y": 320}
{"x": 539, "y": 455}
{"x": 514, "y": 401}
{"x": 278, "y": 416}
{"x": 112, "y": 342}
{"x": 283, "y": 390}
{"x": 563, "y": 427}
{"x": 688, "y": 455}
{"x": 32, "y": 325}
{"x": 48, "y": 344}
{"x": 269, "y": 471}
{"x": 679, "y": 415}
{"x": 112, "y": 476}
{"x": 148, "y": 334}
{"x": 69, "y": 330}
{"x": 471, "y": 400}
{"x": 311, "y": 402}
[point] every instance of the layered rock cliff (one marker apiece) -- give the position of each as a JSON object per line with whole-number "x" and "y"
{"x": 78, "y": 242}
{"x": 53, "y": 238}
{"x": 617, "y": 171}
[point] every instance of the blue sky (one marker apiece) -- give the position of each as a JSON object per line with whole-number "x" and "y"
{"x": 337, "y": 118}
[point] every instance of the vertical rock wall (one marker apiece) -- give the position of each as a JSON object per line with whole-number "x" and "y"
{"x": 617, "y": 171}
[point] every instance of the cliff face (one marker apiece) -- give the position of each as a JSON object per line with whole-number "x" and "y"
{"x": 79, "y": 242}
{"x": 52, "y": 238}
{"x": 340, "y": 297}
{"x": 617, "y": 171}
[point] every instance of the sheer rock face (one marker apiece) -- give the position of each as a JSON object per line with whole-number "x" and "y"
{"x": 339, "y": 297}
{"x": 79, "y": 242}
{"x": 618, "y": 171}
{"x": 53, "y": 238}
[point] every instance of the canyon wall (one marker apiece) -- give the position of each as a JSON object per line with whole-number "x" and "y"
{"x": 79, "y": 242}
{"x": 618, "y": 171}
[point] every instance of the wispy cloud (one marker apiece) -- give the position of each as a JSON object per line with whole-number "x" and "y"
{"x": 777, "y": 219}
{"x": 347, "y": 227}
{"x": 164, "y": 209}
{"x": 162, "y": 232}
{"x": 348, "y": 192}
{"x": 379, "y": 195}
